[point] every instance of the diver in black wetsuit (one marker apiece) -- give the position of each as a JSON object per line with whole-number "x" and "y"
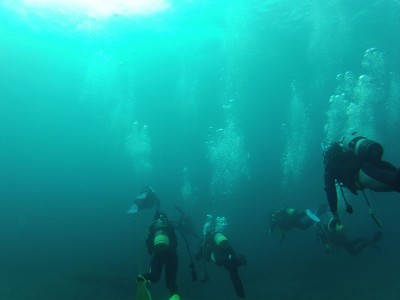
{"x": 162, "y": 244}
{"x": 356, "y": 163}
{"x": 147, "y": 198}
{"x": 216, "y": 249}
{"x": 285, "y": 219}
{"x": 332, "y": 240}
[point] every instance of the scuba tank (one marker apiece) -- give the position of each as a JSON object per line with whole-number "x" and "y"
{"x": 362, "y": 147}
{"x": 219, "y": 238}
{"x": 213, "y": 227}
{"x": 161, "y": 236}
{"x": 221, "y": 242}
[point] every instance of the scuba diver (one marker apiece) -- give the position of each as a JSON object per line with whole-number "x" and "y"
{"x": 146, "y": 199}
{"x": 215, "y": 248}
{"x": 332, "y": 240}
{"x": 161, "y": 243}
{"x": 286, "y": 219}
{"x": 356, "y": 163}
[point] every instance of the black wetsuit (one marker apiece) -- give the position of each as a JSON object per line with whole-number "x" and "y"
{"x": 147, "y": 199}
{"x": 343, "y": 167}
{"x": 286, "y": 221}
{"x": 222, "y": 255}
{"x": 333, "y": 240}
{"x": 167, "y": 258}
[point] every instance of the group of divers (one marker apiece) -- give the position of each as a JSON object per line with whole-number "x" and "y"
{"x": 354, "y": 163}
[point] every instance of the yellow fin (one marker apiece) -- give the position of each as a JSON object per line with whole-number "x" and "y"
{"x": 142, "y": 292}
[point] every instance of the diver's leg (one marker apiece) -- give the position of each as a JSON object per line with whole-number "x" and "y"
{"x": 377, "y": 236}
{"x": 341, "y": 240}
{"x": 155, "y": 268}
{"x": 237, "y": 282}
{"x": 171, "y": 269}
{"x": 358, "y": 245}
{"x": 387, "y": 166}
{"x": 380, "y": 176}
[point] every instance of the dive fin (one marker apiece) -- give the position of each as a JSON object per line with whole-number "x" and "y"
{"x": 142, "y": 292}
{"x": 312, "y": 216}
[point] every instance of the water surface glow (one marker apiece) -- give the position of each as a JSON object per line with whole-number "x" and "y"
{"x": 97, "y": 9}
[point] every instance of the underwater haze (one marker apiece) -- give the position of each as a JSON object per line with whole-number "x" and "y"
{"x": 222, "y": 107}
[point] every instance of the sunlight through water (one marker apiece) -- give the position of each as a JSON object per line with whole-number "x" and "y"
{"x": 97, "y": 9}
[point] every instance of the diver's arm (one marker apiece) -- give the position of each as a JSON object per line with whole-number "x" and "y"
{"x": 149, "y": 246}
{"x": 150, "y": 239}
{"x": 330, "y": 190}
{"x": 331, "y": 195}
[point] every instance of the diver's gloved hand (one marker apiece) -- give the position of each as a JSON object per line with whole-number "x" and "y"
{"x": 334, "y": 222}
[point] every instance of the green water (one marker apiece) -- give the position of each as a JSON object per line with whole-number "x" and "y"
{"x": 220, "y": 106}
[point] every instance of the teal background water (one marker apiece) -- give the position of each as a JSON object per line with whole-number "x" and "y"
{"x": 221, "y": 107}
